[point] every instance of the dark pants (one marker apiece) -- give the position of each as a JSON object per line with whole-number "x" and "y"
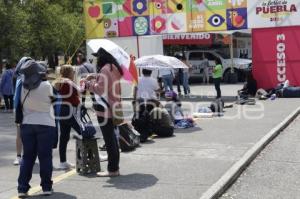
{"x": 163, "y": 131}
{"x": 66, "y": 125}
{"x": 217, "y": 82}
{"x": 179, "y": 81}
{"x": 111, "y": 143}
{"x": 37, "y": 142}
{"x": 9, "y": 101}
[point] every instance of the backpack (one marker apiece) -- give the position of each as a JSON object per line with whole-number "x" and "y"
{"x": 129, "y": 138}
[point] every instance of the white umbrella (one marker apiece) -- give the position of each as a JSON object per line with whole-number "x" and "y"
{"x": 119, "y": 54}
{"x": 159, "y": 62}
{"x": 116, "y": 51}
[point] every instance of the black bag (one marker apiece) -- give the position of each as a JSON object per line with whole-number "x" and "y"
{"x": 19, "y": 109}
{"x": 217, "y": 106}
{"x": 129, "y": 139}
{"x": 87, "y": 129}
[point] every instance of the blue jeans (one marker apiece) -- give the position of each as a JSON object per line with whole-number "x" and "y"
{"x": 185, "y": 83}
{"x": 168, "y": 82}
{"x": 37, "y": 142}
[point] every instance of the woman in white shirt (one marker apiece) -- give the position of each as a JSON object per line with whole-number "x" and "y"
{"x": 37, "y": 127}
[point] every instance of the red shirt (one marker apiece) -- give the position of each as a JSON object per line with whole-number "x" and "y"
{"x": 69, "y": 93}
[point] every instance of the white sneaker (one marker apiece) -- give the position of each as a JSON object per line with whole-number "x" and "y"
{"x": 22, "y": 195}
{"x": 17, "y": 161}
{"x": 66, "y": 166}
{"x": 47, "y": 193}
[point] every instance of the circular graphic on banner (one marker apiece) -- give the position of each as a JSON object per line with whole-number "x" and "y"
{"x": 158, "y": 5}
{"x": 107, "y": 23}
{"x": 158, "y": 24}
{"x": 139, "y": 6}
{"x": 216, "y": 20}
{"x": 141, "y": 25}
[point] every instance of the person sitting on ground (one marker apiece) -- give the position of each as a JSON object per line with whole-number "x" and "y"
{"x": 147, "y": 87}
{"x": 161, "y": 121}
{"x": 250, "y": 86}
{"x": 173, "y": 106}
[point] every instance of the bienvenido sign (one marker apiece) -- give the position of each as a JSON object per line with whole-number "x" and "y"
{"x": 187, "y": 39}
{"x": 273, "y": 13}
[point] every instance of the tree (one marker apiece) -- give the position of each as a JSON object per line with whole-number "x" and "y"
{"x": 40, "y": 28}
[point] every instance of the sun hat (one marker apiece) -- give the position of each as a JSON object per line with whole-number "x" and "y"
{"x": 33, "y": 74}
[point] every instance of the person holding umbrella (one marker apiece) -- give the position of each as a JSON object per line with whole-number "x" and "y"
{"x": 106, "y": 87}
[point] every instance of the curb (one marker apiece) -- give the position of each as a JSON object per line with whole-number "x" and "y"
{"x": 217, "y": 189}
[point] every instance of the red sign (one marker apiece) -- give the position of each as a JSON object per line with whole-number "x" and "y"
{"x": 188, "y": 39}
{"x": 276, "y": 56}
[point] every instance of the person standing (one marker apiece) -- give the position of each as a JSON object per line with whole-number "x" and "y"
{"x": 179, "y": 79}
{"x": 38, "y": 127}
{"x": 85, "y": 69}
{"x": 68, "y": 115}
{"x": 217, "y": 77}
{"x": 205, "y": 64}
{"x": 186, "y": 76}
{"x": 17, "y": 82}
{"x": 7, "y": 88}
{"x": 107, "y": 88}
{"x": 167, "y": 76}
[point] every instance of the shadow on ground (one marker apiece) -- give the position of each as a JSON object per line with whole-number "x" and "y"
{"x": 132, "y": 182}
{"x": 55, "y": 195}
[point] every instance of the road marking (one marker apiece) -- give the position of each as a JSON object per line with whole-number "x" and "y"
{"x": 55, "y": 180}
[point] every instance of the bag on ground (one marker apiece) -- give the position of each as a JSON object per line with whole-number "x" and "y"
{"x": 129, "y": 138}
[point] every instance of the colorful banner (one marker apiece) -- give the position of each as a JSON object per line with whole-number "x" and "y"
{"x": 276, "y": 56}
{"x": 121, "y": 18}
{"x": 273, "y": 13}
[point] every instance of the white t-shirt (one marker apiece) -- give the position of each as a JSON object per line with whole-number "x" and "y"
{"x": 146, "y": 88}
{"x": 37, "y": 107}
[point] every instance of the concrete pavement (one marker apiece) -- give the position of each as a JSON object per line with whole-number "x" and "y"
{"x": 275, "y": 172}
{"x": 183, "y": 166}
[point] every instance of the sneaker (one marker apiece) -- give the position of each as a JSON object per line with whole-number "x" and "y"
{"x": 17, "y": 161}
{"x": 108, "y": 174}
{"x": 22, "y": 195}
{"x": 47, "y": 193}
{"x": 66, "y": 166}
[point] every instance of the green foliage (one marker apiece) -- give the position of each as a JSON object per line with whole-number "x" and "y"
{"x": 40, "y": 28}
